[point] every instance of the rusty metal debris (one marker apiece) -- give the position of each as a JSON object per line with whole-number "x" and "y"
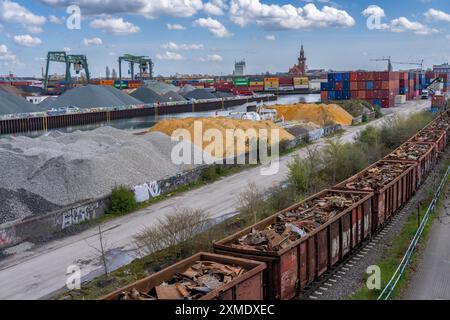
{"x": 196, "y": 281}
{"x": 377, "y": 177}
{"x": 410, "y": 151}
{"x": 442, "y": 123}
{"x": 428, "y": 136}
{"x": 298, "y": 222}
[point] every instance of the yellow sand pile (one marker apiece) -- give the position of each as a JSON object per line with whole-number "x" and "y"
{"x": 321, "y": 114}
{"x": 197, "y": 127}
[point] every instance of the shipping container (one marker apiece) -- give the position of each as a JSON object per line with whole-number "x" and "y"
{"x": 241, "y": 82}
{"x": 247, "y": 286}
{"x": 392, "y": 183}
{"x": 340, "y": 222}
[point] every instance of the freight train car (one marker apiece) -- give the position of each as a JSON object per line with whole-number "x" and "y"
{"x": 204, "y": 276}
{"x": 300, "y": 243}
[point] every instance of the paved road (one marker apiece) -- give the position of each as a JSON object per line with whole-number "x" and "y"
{"x": 431, "y": 281}
{"x": 41, "y": 270}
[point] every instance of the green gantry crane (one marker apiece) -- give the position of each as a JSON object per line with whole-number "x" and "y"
{"x": 145, "y": 65}
{"x": 79, "y": 62}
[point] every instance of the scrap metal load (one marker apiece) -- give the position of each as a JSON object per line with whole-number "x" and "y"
{"x": 193, "y": 283}
{"x": 297, "y": 222}
{"x": 440, "y": 123}
{"x": 204, "y": 276}
{"x": 376, "y": 177}
{"x": 428, "y": 136}
{"x": 410, "y": 151}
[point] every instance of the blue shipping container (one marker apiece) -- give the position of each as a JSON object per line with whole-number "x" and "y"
{"x": 346, "y": 95}
{"x": 331, "y": 95}
{"x": 338, "y": 95}
{"x": 338, "y": 76}
{"x": 324, "y": 86}
{"x": 346, "y": 85}
{"x": 369, "y": 85}
{"x": 377, "y": 102}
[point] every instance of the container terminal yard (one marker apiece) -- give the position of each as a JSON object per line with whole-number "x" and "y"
{"x": 236, "y": 186}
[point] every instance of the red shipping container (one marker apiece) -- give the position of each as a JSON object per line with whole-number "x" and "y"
{"x": 361, "y": 85}
{"x": 354, "y": 94}
{"x": 362, "y": 94}
{"x": 361, "y": 76}
{"x": 338, "y": 86}
{"x": 369, "y": 94}
{"x": 385, "y": 85}
{"x": 378, "y": 84}
{"x": 353, "y": 85}
{"x": 323, "y": 95}
{"x": 369, "y": 76}
{"x": 353, "y": 76}
{"x": 256, "y": 88}
{"x": 286, "y": 81}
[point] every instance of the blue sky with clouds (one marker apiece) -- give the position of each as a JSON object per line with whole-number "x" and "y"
{"x": 206, "y": 36}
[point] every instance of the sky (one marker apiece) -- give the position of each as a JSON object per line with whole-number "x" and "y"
{"x": 207, "y": 36}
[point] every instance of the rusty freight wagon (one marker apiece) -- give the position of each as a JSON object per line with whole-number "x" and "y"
{"x": 423, "y": 155}
{"x": 393, "y": 183}
{"x": 438, "y": 137}
{"x": 442, "y": 122}
{"x": 204, "y": 276}
{"x": 302, "y": 242}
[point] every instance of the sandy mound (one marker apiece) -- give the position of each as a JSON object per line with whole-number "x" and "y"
{"x": 221, "y": 124}
{"x": 320, "y": 114}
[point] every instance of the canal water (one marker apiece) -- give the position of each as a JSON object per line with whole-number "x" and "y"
{"x": 142, "y": 123}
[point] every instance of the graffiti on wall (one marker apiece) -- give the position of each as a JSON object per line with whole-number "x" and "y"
{"x": 146, "y": 191}
{"x": 78, "y": 215}
{"x": 4, "y": 238}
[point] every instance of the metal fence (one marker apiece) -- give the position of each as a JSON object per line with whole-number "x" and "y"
{"x": 387, "y": 292}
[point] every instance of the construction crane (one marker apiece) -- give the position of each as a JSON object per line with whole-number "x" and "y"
{"x": 420, "y": 64}
{"x": 79, "y": 62}
{"x": 388, "y": 59}
{"x": 145, "y": 66}
{"x": 390, "y": 63}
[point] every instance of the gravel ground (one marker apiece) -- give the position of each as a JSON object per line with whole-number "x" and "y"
{"x": 350, "y": 277}
{"x": 60, "y": 169}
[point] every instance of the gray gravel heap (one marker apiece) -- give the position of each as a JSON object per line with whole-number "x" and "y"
{"x": 147, "y": 95}
{"x": 173, "y": 96}
{"x": 10, "y": 104}
{"x": 199, "y": 94}
{"x": 60, "y": 169}
{"x": 160, "y": 87}
{"x": 92, "y": 96}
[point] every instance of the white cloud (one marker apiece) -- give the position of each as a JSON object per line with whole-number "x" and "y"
{"x": 92, "y": 41}
{"x": 437, "y": 15}
{"x": 67, "y": 49}
{"x": 5, "y": 54}
{"x": 16, "y": 13}
{"x": 27, "y": 41}
{"x": 212, "y": 58}
{"x": 150, "y": 9}
{"x": 215, "y": 7}
{"x": 403, "y": 24}
{"x": 115, "y": 26}
{"x": 56, "y": 20}
{"x": 270, "y": 37}
{"x": 175, "y": 26}
{"x": 168, "y": 55}
{"x": 272, "y": 16}
{"x": 182, "y": 46}
{"x": 214, "y": 26}
{"x": 373, "y": 11}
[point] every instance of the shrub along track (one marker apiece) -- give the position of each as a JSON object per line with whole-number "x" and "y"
{"x": 348, "y": 277}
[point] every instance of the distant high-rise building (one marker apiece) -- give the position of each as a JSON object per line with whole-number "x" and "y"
{"x": 107, "y": 72}
{"x": 114, "y": 74}
{"x": 300, "y": 68}
{"x": 239, "y": 68}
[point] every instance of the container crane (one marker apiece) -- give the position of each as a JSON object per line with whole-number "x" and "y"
{"x": 388, "y": 59}
{"x": 390, "y": 63}
{"x": 420, "y": 64}
{"x": 145, "y": 66}
{"x": 79, "y": 62}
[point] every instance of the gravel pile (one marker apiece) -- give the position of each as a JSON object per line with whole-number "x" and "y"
{"x": 159, "y": 87}
{"x": 147, "y": 95}
{"x": 186, "y": 89}
{"x": 199, "y": 94}
{"x": 92, "y": 96}
{"x": 10, "y": 104}
{"x": 222, "y": 94}
{"x": 173, "y": 96}
{"x": 60, "y": 169}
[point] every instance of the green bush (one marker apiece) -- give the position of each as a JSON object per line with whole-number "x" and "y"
{"x": 122, "y": 201}
{"x": 210, "y": 173}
